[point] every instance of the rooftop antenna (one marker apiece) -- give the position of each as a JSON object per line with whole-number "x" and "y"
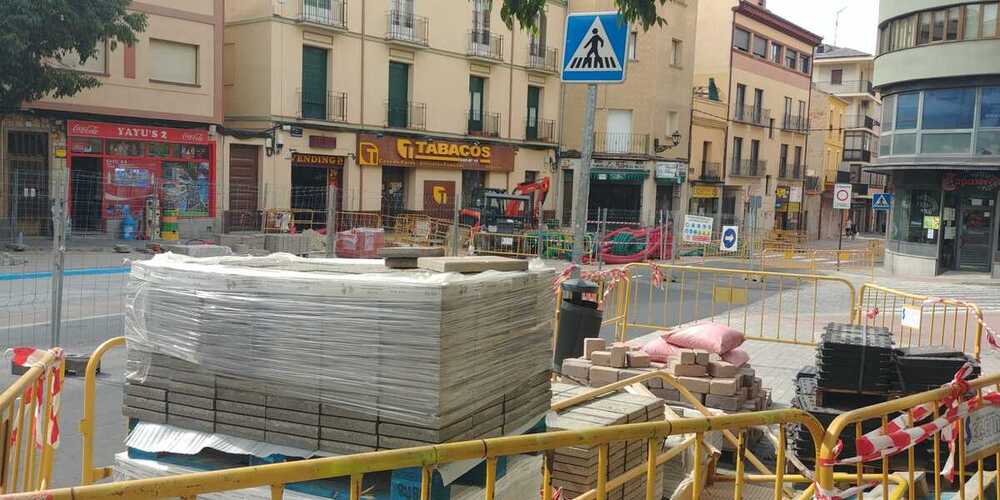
{"x": 836, "y": 24}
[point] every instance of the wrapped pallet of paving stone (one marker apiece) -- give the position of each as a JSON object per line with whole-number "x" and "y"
{"x": 341, "y": 344}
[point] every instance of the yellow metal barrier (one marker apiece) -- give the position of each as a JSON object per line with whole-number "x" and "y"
{"x": 778, "y": 307}
{"x": 26, "y": 465}
{"x": 91, "y": 474}
{"x": 814, "y": 260}
{"x": 356, "y": 466}
{"x": 916, "y": 321}
{"x": 879, "y": 415}
{"x": 544, "y": 244}
{"x": 352, "y": 220}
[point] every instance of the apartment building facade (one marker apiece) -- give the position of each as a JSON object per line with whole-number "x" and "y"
{"x": 146, "y": 133}
{"x": 847, "y": 74}
{"x": 939, "y": 76}
{"x": 762, "y": 72}
{"x": 403, "y": 105}
{"x": 642, "y": 126}
{"x": 825, "y": 153}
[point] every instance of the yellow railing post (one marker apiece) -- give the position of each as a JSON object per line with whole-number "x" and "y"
{"x": 89, "y": 474}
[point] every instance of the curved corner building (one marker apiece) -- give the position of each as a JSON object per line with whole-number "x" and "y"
{"x": 938, "y": 71}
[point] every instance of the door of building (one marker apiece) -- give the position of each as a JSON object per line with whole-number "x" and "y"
{"x": 86, "y": 193}
{"x": 975, "y": 230}
{"x": 244, "y": 175}
{"x": 393, "y": 192}
{"x": 30, "y": 211}
{"x": 314, "y": 72}
{"x": 399, "y": 94}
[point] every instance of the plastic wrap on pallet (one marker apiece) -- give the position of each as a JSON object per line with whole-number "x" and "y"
{"x": 419, "y": 347}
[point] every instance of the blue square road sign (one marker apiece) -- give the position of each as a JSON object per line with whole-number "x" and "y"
{"x": 594, "y": 48}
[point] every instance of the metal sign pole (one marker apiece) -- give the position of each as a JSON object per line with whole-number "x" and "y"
{"x": 58, "y": 263}
{"x": 582, "y": 194}
{"x": 454, "y": 224}
{"x": 331, "y": 222}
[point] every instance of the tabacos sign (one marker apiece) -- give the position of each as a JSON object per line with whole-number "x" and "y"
{"x": 408, "y": 152}
{"x": 124, "y": 131}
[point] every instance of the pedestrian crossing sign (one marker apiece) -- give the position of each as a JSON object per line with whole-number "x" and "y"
{"x": 594, "y": 48}
{"x": 881, "y": 201}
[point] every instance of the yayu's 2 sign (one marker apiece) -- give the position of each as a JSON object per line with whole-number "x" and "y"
{"x": 408, "y": 152}
{"x": 76, "y": 128}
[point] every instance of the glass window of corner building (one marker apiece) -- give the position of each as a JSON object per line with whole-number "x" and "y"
{"x": 989, "y": 107}
{"x": 888, "y": 108}
{"x": 948, "y": 108}
{"x": 971, "y": 29}
{"x": 759, "y": 46}
{"x": 989, "y": 24}
{"x": 924, "y": 29}
{"x": 954, "y": 18}
{"x": 776, "y": 53}
{"x": 741, "y": 39}
{"x": 904, "y": 144}
{"x": 937, "y": 26}
{"x": 957, "y": 143}
{"x": 906, "y": 110}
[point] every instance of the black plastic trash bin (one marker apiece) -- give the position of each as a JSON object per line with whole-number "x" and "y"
{"x": 578, "y": 319}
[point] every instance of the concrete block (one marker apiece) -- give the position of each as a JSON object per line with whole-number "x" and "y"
{"x": 240, "y": 432}
{"x": 688, "y": 357}
{"x": 190, "y": 412}
{"x": 624, "y": 374}
{"x": 350, "y": 437}
{"x": 343, "y": 448}
{"x": 145, "y": 392}
{"x": 293, "y": 404}
{"x": 576, "y": 368}
{"x": 348, "y": 424}
{"x": 603, "y": 375}
{"x": 189, "y": 400}
{"x": 235, "y": 390}
{"x": 600, "y": 358}
{"x": 300, "y": 442}
{"x": 475, "y": 264}
{"x": 619, "y": 352}
{"x": 694, "y": 384}
{"x": 193, "y": 424}
{"x": 145, "y": 404}
{"x": 593, "y": 344}
{"x": 144, "y": 415}
{"x": 202, "y": 379}
{"x": 667, "y": 394}
{"x": 199, "y": 250}
{"x": 293, "y": 416}
{"x": 722, "y": 369}
{"x": 689, "y": 371}
{"x": 309, "y": 431}
{"x": 725, "y": 387}
{"x": 240, "y": 420}
{"x": 726, "y": 403}
{"x": 411, "y": 252}
{"x": 191, "y": 389}
{"x": 340, "y": 411}
{"x": 252, "y": 410}
{"x": 638, "y": 359}
{"x": 395, "y": 443}
{"x": 701, "y": 357}
{"x": 400, "y": 263}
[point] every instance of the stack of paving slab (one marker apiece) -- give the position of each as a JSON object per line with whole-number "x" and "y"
{"x": 327, "y": 354}
{"x": 713, "y": 382}
{"x": 574, "y": 468}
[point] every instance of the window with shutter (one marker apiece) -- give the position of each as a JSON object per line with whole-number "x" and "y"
{"x": 314, "y": 92}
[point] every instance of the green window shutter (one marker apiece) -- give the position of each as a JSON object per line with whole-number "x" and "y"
{"x": 399, "y": 94}
{"x": 531, "y": 129}
{"x": 476, "y": 86}
{"x": 314, "y": 69}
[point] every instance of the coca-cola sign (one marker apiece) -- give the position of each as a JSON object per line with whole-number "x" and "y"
{"x": 136, "y": 132}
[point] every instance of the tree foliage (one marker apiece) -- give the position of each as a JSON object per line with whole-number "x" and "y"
{"x": 526, "y": 12}
{"x": 35, "y": 33}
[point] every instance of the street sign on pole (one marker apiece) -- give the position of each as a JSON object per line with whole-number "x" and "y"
{"x": 698, "y": 229}
{"x": 594, "y": 48}
{"x": 730, "y": 239}
{"x": 842, "y": 196}
{"x": 881, "y": 201}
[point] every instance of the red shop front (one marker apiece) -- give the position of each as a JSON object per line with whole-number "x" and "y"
{"x": 117, "y": 167}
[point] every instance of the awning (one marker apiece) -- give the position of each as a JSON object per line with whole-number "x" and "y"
{"x": 620, "y": 176}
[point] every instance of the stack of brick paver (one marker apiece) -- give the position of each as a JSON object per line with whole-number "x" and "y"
{"x": 336, "y": 361}
{"x": 713, "y": 382}
{"x": 574, "y": 468}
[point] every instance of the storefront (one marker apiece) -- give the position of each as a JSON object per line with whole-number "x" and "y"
{"x": 705, "y": 200}
{"x": 418, "y": 175}
{"x": 617, "y": 186}
{"x": 787, "y": 207}
{"x": 312, "y": 177}
{"x": 944, "y": 221}
{"x": 122, "y": 168}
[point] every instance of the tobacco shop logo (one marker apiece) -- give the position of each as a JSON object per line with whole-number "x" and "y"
{"x": 368, "y": 154}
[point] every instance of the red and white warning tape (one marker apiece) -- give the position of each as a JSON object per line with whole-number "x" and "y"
{"x": 29, "y": 357}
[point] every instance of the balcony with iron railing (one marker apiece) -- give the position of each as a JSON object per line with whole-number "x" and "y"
{"x": 541, "y": 130}
{"x": 483, "y": 124}
{"x": 325, "y": 106}
{"x": 748, "y": 168}
{"x": 412, "y": 115}
{"x": 797, "y": 124}
{"x": 860, "y": 122}
{"x": 542, "y": 58}
{"x": 847, "y": 87}
{"x": 621, "y": 143}
{"x": 813, "y": 184}
{"x": 790, "y": 172}
{"x": 406, "y": 28}
{"x": 315, "y": 13}
{"x": 485, "y": 45}
{"x": 753, "y": 115}
{"x": 710, "y": 171}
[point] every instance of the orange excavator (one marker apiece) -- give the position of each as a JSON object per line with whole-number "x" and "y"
{"x": 496, "y": 211}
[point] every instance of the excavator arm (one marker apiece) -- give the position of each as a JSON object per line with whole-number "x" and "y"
{"x": 538, "y": 191}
